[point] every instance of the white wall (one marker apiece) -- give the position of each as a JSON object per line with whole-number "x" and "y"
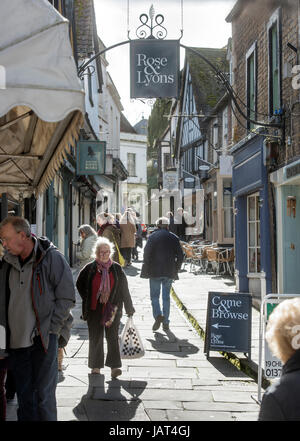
{"x": 134, "y": 143}
{"x": 135, "y": 185}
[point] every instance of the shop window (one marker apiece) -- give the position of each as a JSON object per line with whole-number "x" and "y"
{"x": 253, "y": 234}
{"x": 227, "y": 209}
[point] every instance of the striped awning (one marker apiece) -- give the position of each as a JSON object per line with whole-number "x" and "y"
{"x": 41, "y": 96}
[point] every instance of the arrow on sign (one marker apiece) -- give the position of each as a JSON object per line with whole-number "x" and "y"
{"x": 216, "y": 325}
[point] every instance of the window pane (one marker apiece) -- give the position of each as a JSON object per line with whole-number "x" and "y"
{"x": 251, "y": 208}
{"x": 251, "y": 88}
{"x": 274, "y": 68}
{"x": 258, "y": 233}
{"x": 252, "y": 260}
{"x": 228, "y": 222}
{"x": 258, "y": 260}
{"x": 131, "y": 164}
{"x": 252, "y": 234}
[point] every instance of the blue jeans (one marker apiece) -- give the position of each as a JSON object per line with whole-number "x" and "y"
{"x": 155, "y": 284}
{"x": 36, "y": 373}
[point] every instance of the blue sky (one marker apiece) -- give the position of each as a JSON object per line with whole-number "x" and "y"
{"x": 204, "y": 25}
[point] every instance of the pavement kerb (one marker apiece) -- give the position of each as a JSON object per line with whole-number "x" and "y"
{"x": 242, "y": 364}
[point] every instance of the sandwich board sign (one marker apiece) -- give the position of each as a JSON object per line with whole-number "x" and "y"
{"x": 228, "y": 323}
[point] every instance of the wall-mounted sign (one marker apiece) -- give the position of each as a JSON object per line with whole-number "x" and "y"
{"x": 189, "y": 182}
{"x": 154, "y": 68}
{"x": 293, "y": 170}
{"x": 228, "y": 322}
{"x": 90, "y": 157}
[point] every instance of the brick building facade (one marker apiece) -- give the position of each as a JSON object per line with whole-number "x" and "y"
{"x": 266, "y": 180}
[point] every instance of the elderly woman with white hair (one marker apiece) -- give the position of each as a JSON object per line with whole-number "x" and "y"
{"x": 281, "y": 401}
{"x": 88, "y": 237}
{"x": 103, "y": 287}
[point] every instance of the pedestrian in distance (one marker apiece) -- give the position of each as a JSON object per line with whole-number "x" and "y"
{"x": 138, "y": 237}
{"x": 172, "y": 225}
{"x": 88, "y": 237}
{"x": 109, "y": 229}
{"x": 281, "y": 401}
{"x": 103, "y": 287}
{"x": 37, "y": 286}
{"x": 128, "y": 230}
{"x": 163, "y": 258}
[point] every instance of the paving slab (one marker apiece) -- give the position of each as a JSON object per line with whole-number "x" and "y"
{"x": 174, "y": 381}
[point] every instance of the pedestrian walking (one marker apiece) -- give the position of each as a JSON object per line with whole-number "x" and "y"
{"x": 180, "y": 223}
{"x": 128, "y": 230}
{"x": 37, "y": 286}
{"x": 138, "y": 237}
{"x": 88, "y": 237}
{"x": 163, "y": 258}
{"x": 110, "y": 230}
{"x": 172, "y": 225}
{"x": 103, "y": 287}
{"x": 281, "y": 401}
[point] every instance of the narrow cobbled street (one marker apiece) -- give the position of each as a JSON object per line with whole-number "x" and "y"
{"x": 173, "y": 381}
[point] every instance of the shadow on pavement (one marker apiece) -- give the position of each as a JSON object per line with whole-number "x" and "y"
{"x": 170, "y": 343}
{"x": 113, "y": 400}
{"x": 226, "y": 368}
{"x": 131, "y": 271}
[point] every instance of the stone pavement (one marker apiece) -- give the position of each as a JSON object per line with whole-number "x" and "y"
{"x": 173, "y": 381}
{"x": 191, "y": 294}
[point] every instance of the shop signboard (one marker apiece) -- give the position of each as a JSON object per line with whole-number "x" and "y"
{"x": 154, "y": 68}
{"x": 91, "y": 157}
{"x": 228, "y": 323}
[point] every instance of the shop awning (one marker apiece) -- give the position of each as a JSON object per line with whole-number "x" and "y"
{"x": 41, "y": 96}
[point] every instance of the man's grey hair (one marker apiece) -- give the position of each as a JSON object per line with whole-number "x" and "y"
{"x": 18, "y": 223}
{"x": 162, "y": 222}
{"x": 87, "y": 230}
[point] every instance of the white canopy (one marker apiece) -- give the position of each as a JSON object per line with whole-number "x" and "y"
{"x": 41, "y": 90}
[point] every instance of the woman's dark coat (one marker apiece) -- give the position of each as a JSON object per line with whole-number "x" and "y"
{"x": 119, "y": 295}
{"x": 163, "y": 255}
{"x": 281, "y": 401}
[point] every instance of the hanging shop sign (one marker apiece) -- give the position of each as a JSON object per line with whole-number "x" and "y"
{"x": 228, "y": 323}
{"x": 91, "y": 157}
{"x": 154, "y": 68}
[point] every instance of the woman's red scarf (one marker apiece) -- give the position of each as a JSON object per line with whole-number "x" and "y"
{"x": 104, "y": 289}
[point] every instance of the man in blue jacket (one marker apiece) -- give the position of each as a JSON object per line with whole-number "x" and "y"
{"x": 37, "y": 289}
{"x": 163, "y": 257}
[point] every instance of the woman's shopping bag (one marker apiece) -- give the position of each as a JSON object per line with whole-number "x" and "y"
{"x": 120, "y": 257}
{"x": 131, "y": 345}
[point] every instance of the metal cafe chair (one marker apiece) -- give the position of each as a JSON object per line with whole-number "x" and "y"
{"x": 191, "y": 256}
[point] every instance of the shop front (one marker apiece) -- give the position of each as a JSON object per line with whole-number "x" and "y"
{"x": 286, "y": 182}
{"x": 252, "y": 217}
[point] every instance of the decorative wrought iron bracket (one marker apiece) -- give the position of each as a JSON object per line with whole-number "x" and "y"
{"x": 151, "y": 26}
